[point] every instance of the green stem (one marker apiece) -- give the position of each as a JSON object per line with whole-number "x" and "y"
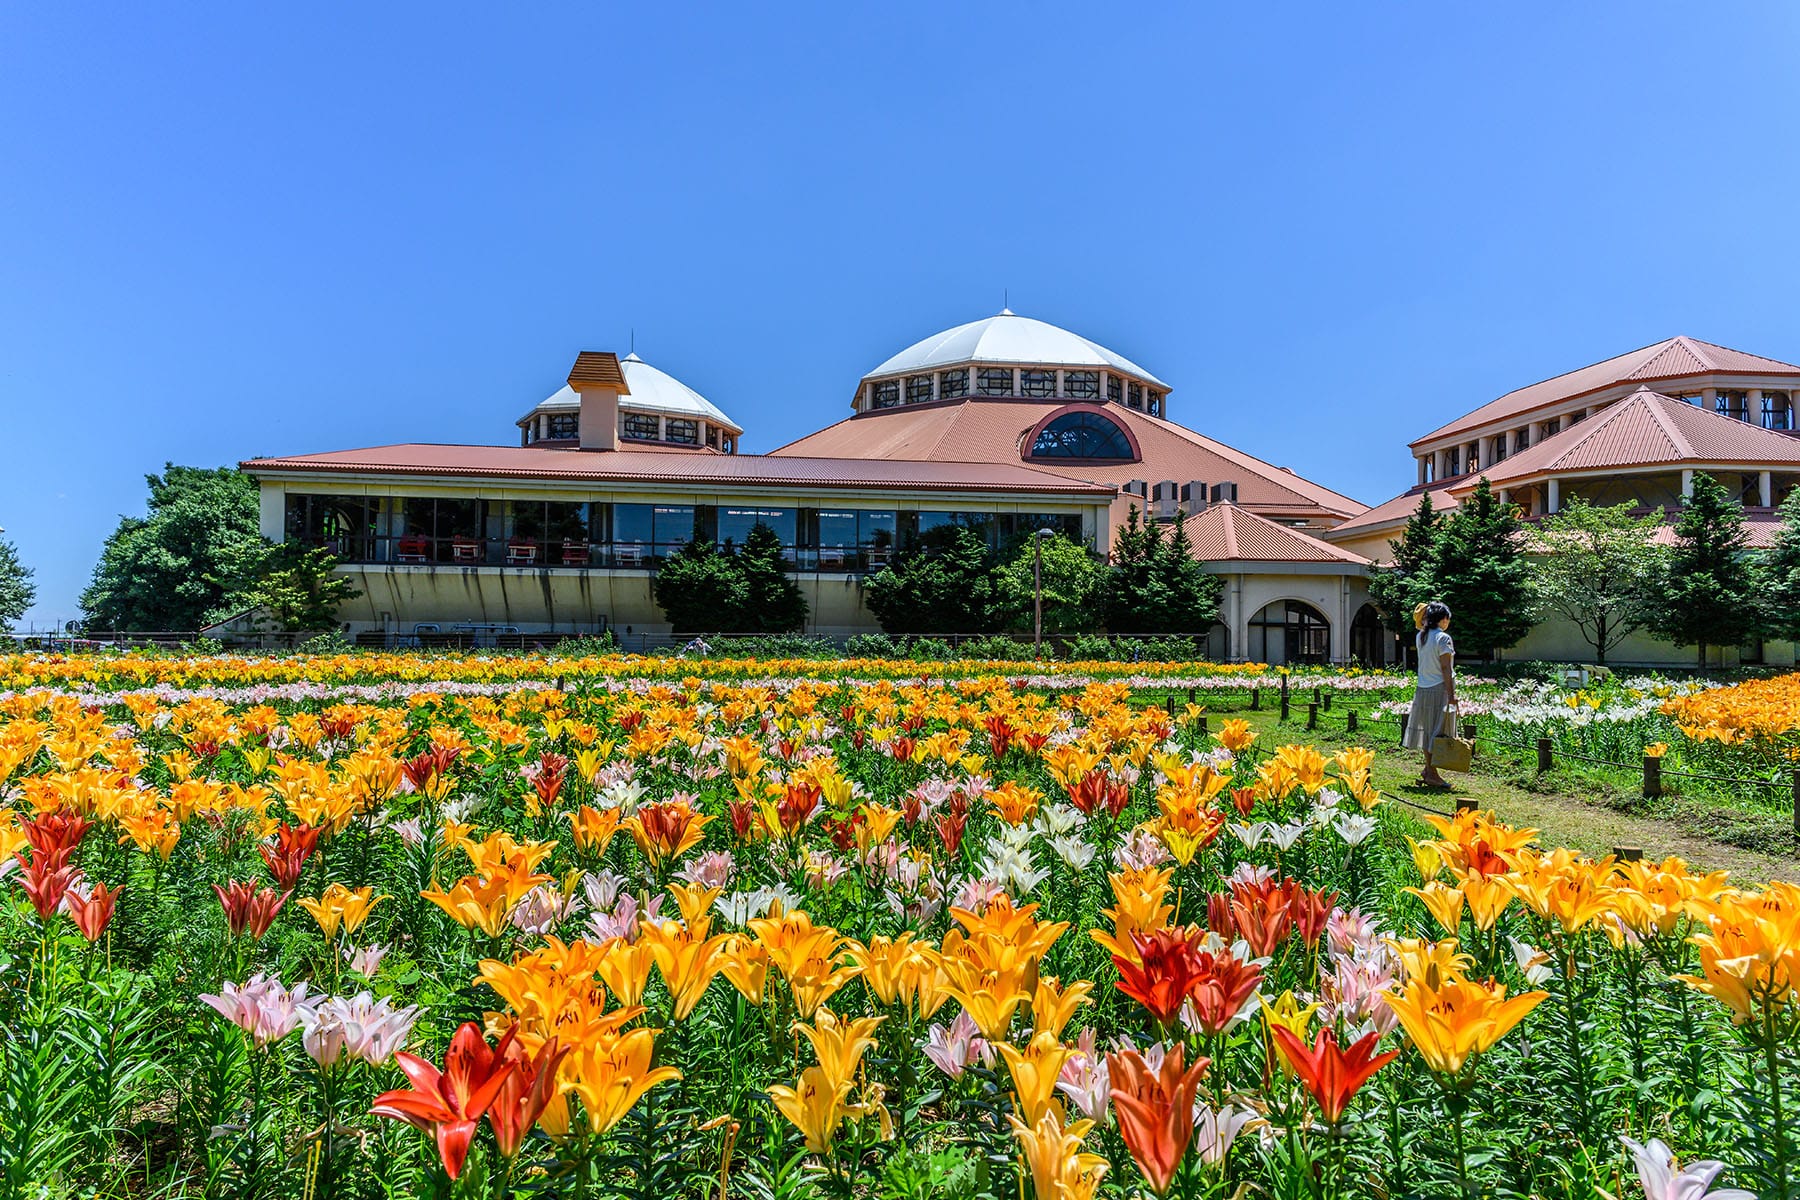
{"x": 1462, "y": 1158}
{"x": 1772, "y": 1065}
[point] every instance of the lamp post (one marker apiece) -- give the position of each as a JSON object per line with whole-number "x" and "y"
{"x": 1037, "y": 589}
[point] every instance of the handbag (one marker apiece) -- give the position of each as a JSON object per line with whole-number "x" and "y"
{"x": 1449, "y": 752}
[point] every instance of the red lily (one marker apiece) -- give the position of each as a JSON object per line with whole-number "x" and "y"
{"x": 1310, "y": 911}
{"x": 1262, "y": 915}
{"x": 45, "y": 886}
{"x": 247, "y": 908}
{"x": 1332, "y": 1075}
{"x": 1000, "y": 734}
{"x": 436, "y": 761}
{"x": 1223, "y": 985}
{"x": 950, "y": 831}
{"x": 1168, "y": 968}
{"x": 55, "y": 836}
{"x": 294, "y": 844}
{"x": 449, "y": 1104}
{"x": 1089, "y": 792}
{"x": 525, "y": 1094}
{"x": 548, "y": 784}
{"x": 1156, "y": 1110}
{"x": 92, "y": 913}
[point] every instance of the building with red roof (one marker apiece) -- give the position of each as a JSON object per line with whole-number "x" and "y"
{"x": 1006, "y": 425}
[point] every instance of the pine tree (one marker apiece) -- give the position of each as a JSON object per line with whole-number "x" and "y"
{"x": 1397, "y": 589}
{"x": 1479, "y": 569}
{"x": 293, "y": 583}
{"x": 773, "y": 602}
{"x": 1778, "y": 573}
{"x": 701, "y": 590}
{"x": 1709, "y": 594}
{"x": 1155, "y": 585}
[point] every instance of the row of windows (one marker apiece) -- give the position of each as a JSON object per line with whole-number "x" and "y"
{"x": 1006, "y": 381}
{"x": 473, "y": 532}
{"x": 640, "y": 427}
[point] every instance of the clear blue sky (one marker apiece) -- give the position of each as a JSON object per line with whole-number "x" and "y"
{"x": 1330, "y": 227}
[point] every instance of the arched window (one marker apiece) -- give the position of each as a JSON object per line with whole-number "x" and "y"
{"x": 1083, "y": 435}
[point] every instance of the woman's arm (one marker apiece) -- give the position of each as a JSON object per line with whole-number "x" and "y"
{"x": 1446, "y": 665}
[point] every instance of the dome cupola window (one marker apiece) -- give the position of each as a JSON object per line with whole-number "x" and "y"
{"x": 953, "y": 385}
{"x": 565, "y": 425}
{"x": 1083, "y": 434}
{"x": 887, "y": 393}
{"x": 1039, "y": 385}
{"x": 1081, "y": 385}
{"x": 995, "y": 381}
{"x": 918, "y": 389}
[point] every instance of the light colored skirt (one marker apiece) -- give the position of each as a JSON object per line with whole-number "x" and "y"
{"x": 1426, "y": 719}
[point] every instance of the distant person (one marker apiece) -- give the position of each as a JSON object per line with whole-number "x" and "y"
{"x": 1436, "y": 693}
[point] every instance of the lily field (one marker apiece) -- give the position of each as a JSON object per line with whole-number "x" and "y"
{"x": 390, "y": 925}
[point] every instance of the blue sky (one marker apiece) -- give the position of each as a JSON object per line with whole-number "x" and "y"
{"x": 230, "y": 232}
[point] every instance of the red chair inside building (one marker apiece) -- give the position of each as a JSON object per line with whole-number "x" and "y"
{"x": 412, "y": 549}
{"x": 465, "y": 550}
{"x": 521, "y": 552}
{"x": 574, "y": 554}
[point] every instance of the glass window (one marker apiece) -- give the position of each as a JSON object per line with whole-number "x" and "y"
{"x": 640, "y": 427}
{"x": 1499, "y": 447}
{"x": 918, "y": 389}
{"x": 1115, "y": 388}
{"x": 952, "y": 384}
{"x": 887, "y": 393}
{"x": 680, "y": 429}
{"x": 831, "y": 527}
{"x": 1455, "y": 465}
{"x": 565, "y": 425}
{"x": 675, "y": 526}
{"x": 1552, "y": 426}
{"x": 1775, "y": 411}
{"x": 1153, "y": 401}
{"x": 937, "y": 528}
{"x": 632, "y": 526}
{"x": 735, "y": 523}
{"x": 1082, "y": 435}
{"x": 712, "y": 436}
{"x": 1017, "y": 529}
{"x": 995, "y": 381}
{"x": 1134, "y": 395}
{"x": 1037, "y": 383}
{"x": 1082, "y": 385}
{"x": 877, "y": 534}
{"x": 1521, "y": 440}
{"x": 565, "y": 532}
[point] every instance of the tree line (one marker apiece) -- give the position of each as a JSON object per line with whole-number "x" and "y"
{"x": 1610, "y": 571}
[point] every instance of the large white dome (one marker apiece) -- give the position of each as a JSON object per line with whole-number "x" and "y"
{"x": 1011, "y": 339}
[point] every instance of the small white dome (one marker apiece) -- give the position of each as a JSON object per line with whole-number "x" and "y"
{"x": 1008, "y": 338}
{"x": 651, "y": 390}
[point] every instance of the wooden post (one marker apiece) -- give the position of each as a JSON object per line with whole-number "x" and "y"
{"x": 1284, "y": 705}
{"x": 1628, "y": 853}
{"x": 1465, "y": 804}
{"x": 559, "y": 683}
{"x": 1652, "y": 777}
{"x": 1190, "y": 695}
{"x": 1284, "y": 685}
{"x": 1169, "y": 703}
{"x": 1327, "y": 704}
{"x": 1797, "y": 800}
{"x": 1255, "y": 699}
{"x": 1318, "y": 693}
{"x": 1403, "y": 728}
{"x": 1545, "y": 759}
{"x": 1350, "y": 721}
{"x": 1312, "y": 715}
{"x": 1204, "y": 728}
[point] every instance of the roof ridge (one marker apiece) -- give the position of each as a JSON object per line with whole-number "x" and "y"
{"x": 1683, "y": 447}
{"x": 1231, "y": 537}
{"x": 1274, "y": 473}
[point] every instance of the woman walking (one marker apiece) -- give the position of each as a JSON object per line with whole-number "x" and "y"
{"x": 1436, "y": 694}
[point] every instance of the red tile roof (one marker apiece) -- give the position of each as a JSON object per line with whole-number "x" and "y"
{"x": 993, "y": 430}
{"x": 1676, "y": 358}
{"x": 1395, "y": 511}
{"x": 1648, "y": 429}
{"x": 1227, "y": 533}
{"x": 649, "y": 466}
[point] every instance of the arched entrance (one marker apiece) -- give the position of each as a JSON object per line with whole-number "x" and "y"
{"x": 1368, "y": 638}
{"x": 1288, "y": 631}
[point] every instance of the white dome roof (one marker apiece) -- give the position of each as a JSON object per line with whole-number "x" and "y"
{"x": 1008, "y": 338}
{"x": 651, "y": 390}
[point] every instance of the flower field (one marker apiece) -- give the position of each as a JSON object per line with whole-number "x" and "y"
{"x": 388, "y": 925}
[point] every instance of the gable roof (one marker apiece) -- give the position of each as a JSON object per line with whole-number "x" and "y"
{"x": 598, "y": 368}
{"x": 993, "y": 430}
{"x": 1395, "y": 511}
{"x": 1646, "y": 429}
{"x": 1227, "y": 533}
{"x": 1673, "y": 358}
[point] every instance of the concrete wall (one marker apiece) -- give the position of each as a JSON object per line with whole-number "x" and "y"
{"x": 1337, "y": 592}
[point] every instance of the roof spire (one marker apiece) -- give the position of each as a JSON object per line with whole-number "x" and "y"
{"x": 1006, "y": 302}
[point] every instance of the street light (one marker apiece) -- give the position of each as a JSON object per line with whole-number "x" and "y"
{"x": 1037, "y": 589}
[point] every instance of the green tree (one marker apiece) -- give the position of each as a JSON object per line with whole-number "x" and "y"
{"x": 944, "y": 586}
{"x": 702, "y": 589}
{"x": 1398, "y": 588}
{"x": 773, "y": 602}
{"x": 294, "y": 585}
{"x": 1778, "y": 573}
{"x": 1709, "y": 591}
{"x": 1599, "y": 570}
{"x": 179, "y": 566}
{"x": 1155, "y": 585}
{"x": 1071, "y": 580}
{"x": 17, "y": 592}
{"x": 1480, "y": 570}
